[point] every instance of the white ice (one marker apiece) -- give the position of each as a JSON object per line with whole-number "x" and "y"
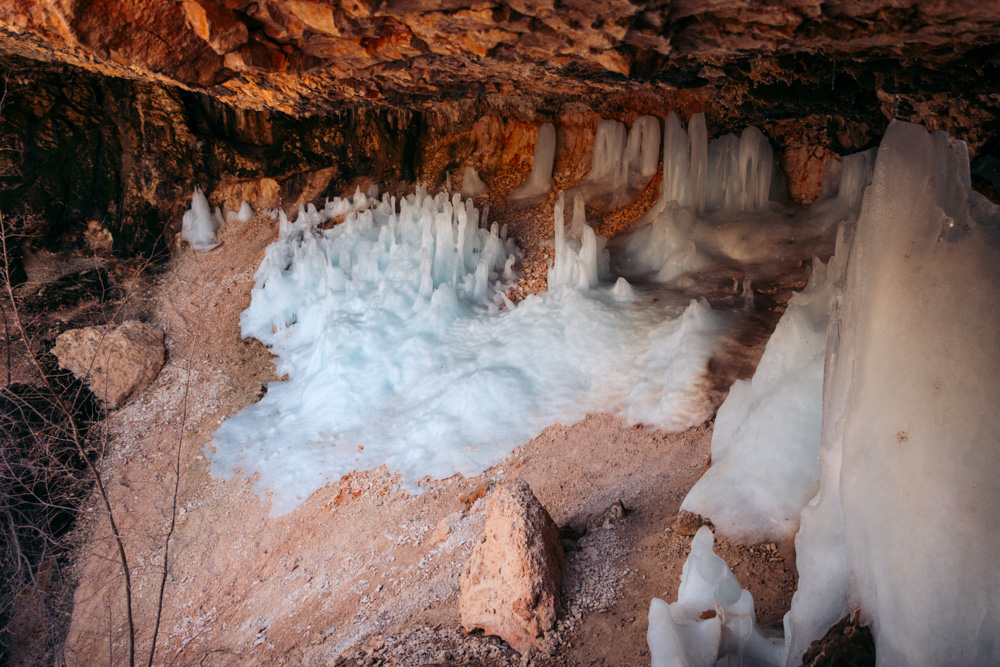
{"x": 720, "y": 205}
{"x": 199, "y": 224}
{"x": 905, "y": 526}
{"x": 245, "y": 214}
{"x": 537, "y": 186}
{"x": 472, "y": 185}
{"x": 712, "y": 622}
{"x": 765, "y": 444}
{"x": 623, "y": 163}
{"x": 390, "y": 329}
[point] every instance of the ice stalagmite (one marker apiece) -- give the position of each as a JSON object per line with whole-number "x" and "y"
{"x": 199, "y": 224}
{"x": 713, "y": 617}
{"x": 472, "y": 185}
{"x": 910, "y": 419}
{"x": 537, "y": 186}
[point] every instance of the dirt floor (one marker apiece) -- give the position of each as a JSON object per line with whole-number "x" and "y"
{"x": 362, "y": 573}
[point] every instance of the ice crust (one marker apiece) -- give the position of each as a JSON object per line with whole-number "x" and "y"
{"x": 680, "y": 635}
{"x": 397, "y": 351}
{"x": 905, "y": 526}
{"x": 537, "y": 186}
{"x": 199, "y": 224}
{"x": 765, "y": 445}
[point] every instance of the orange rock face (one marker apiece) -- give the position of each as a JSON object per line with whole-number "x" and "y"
{"x": 256, "y": 54}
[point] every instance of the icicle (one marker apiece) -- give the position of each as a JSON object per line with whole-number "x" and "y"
{"x": 699, "y": 161}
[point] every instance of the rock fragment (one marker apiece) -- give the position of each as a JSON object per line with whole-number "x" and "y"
{"x": 117, "y": 362}
{"x": 510, "y": 585}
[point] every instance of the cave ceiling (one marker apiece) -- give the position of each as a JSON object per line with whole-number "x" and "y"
{"x": 306, "y": 57}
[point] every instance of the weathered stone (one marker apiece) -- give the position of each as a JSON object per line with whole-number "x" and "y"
{"x": 116, "y": 362}
{"x": 803, "y": 165}
{"x": 847, "y": 644}
{"x": 510, "y": 585}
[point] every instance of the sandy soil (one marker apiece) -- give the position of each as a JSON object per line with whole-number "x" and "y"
{"x": 363, "y": 574}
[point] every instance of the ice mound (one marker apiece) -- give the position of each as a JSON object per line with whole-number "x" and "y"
{"x": 765, "y": 445}
{"x": 199, "y": 224}
{"x": 905, "y": 525}
{"x": 398, "y": 352}
{"x": 537, "y": 186}
{"x": 712, "y": 621}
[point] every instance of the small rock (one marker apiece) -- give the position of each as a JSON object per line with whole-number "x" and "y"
{"x": 116, "y": 362}
{"x": 444, "y": 528}
{"x": 688, "y": 523}
{"x": 510, "y": 585}
{"x": 608, "y": 518}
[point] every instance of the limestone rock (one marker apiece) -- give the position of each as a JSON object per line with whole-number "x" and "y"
{"x": 510, "y": 585}
{"x": 117, "y": 362}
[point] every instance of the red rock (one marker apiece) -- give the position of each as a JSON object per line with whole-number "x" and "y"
{"x": 510, "y": 585}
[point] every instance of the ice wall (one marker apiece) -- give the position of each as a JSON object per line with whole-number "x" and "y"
{"x": 765, "y": 444}
{"x": 712, "y": 619}
{"x": 537, "y": 186}
{"x": 199, "y": 224}
{"x": 909, "y": 419}
{"x": 402, "y": 350}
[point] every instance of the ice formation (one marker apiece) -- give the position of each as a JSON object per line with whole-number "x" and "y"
{"x": 537, "y": 186}
{"x": 390, "y": 330}
{"x": 718, "y": 206}
{"x": 713, "y": 618}
{"x": 199, "y": 224}
{"x": 905, "y": 519}
{"x": 765, "y": 445}
{"x": 245, "y": 214}
{"x": 472, "y": 185}
{"x": 623, "y": 163}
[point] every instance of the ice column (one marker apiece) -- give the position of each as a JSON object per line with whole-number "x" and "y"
{"x": 914, "y": 374}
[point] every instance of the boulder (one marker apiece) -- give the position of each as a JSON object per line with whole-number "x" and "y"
{"x": 510, "y": 585}
{"x": 117, "y": 362}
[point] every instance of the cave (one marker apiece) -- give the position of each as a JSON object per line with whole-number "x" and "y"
{"x": 499, "y": 333}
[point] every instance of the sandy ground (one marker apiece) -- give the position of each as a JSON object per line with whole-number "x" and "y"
{"x": 360, "y": 573}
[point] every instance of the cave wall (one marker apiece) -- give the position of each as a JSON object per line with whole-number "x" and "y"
{"x": 81, "y": 146}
